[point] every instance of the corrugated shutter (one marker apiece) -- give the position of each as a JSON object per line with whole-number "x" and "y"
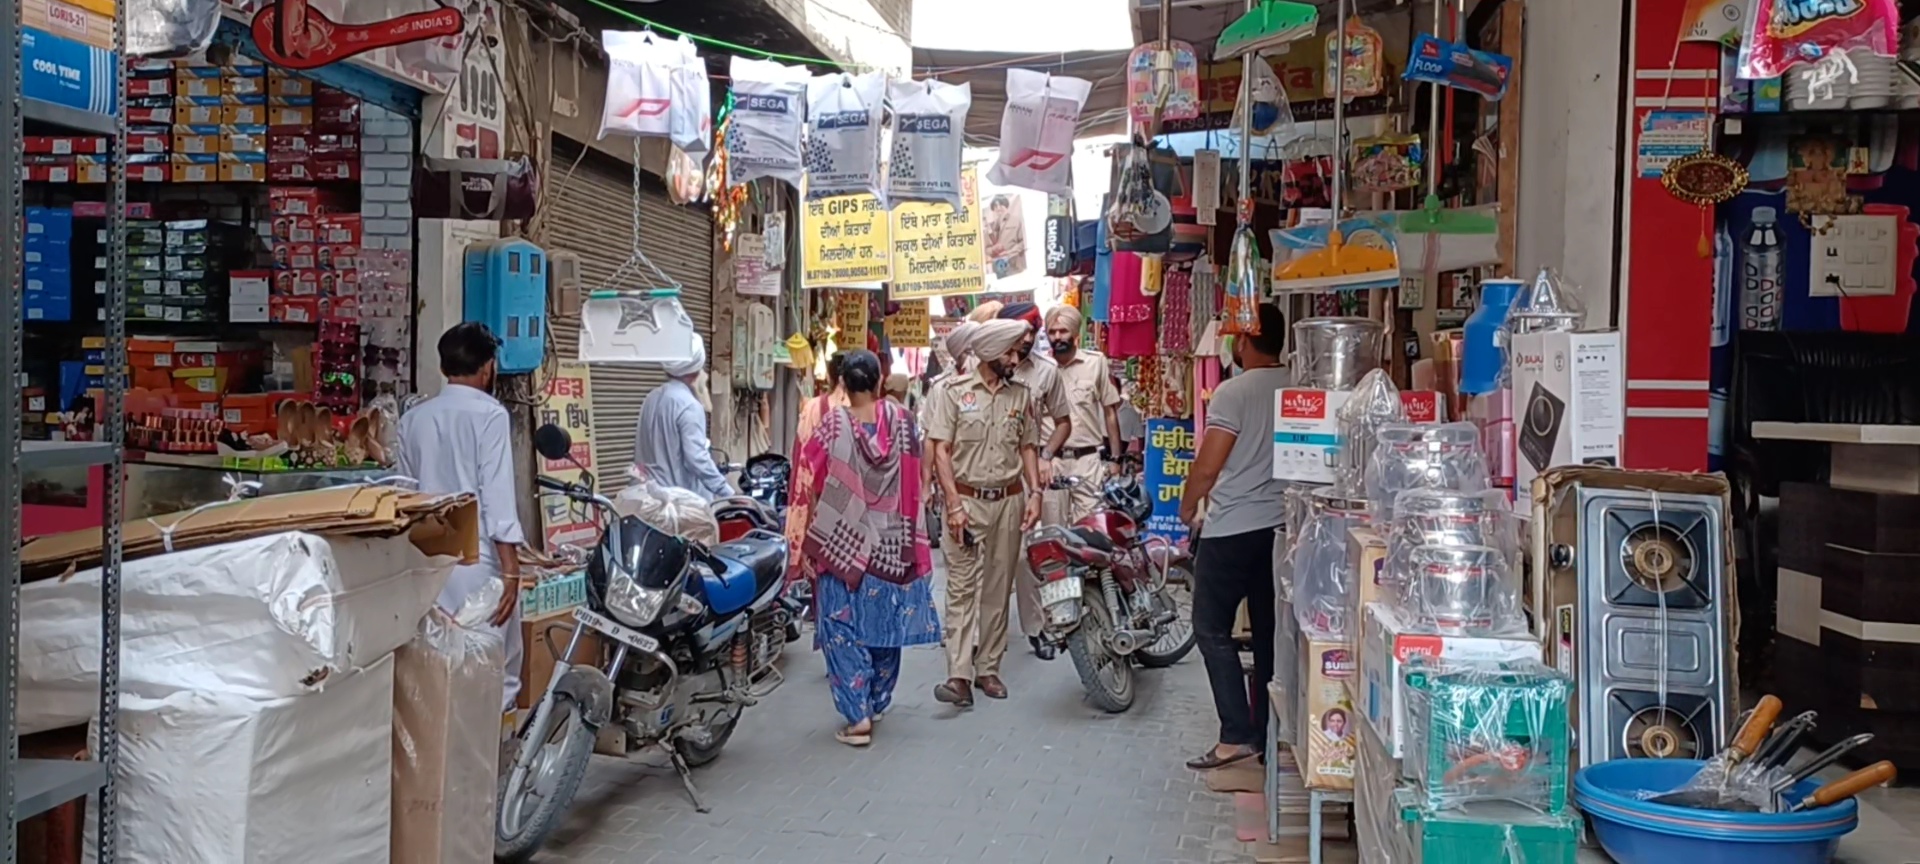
{"x": 589, "y": 216}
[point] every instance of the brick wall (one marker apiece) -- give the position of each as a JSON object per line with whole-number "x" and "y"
{"x": 386, "y": 178}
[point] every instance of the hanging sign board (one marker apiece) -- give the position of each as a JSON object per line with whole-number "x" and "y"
{"x": 1170, "y": 452}
{"x": 850, "y": 316}
{"x": 936, "y": 251}
{"x": 293, "y": 35}
{"x": 569, "y": 393}
{"x": 845, "y": 241}
{"x": 909, "y": 326}
{"x": 751, "y": 275}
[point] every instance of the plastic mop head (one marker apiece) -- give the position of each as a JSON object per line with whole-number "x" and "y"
{"x": 1270, "y": 25}
{"x": 1432, "y": 218}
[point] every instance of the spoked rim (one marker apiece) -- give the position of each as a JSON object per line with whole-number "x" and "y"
{"x": 1111, "y": 669}
{"x": 542, "y": 778}
{"x": 1178, "y": 596}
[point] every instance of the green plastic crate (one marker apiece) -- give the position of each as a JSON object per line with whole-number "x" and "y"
{"x": 1488, "y": 833}
{"x": 1490, "y": 735}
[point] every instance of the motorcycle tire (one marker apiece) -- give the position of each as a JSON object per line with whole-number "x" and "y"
{"x": 1087, "y": 644}
{"x": 1156, "y": 657}
{"x": 576, "y": 744}
{"x": 697, "y": 755}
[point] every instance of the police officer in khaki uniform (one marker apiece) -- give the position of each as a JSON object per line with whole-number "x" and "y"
{"x": 985, "y": 438}
{"x": 1087, "y": 379}
{"x": 1042, "y": 377}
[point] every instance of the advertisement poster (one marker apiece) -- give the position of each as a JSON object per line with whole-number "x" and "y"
{"x": 845, "y": 241}
{"x": 850, "y": 315}
{"x": 937, "y": 251}
{"x": 569, "y": 392}
{"x": 751, "y": 275}
{"x": 1669, "y": 135}
{"x": 1170, "y": 451}
{"x": 909, "y": 325}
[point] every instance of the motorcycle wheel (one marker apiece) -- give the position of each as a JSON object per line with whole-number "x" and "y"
{"x": 1107, "y": 677}
{"x": 717, "y": 737}
{"x": 527, "y": 815}
{"x": 1177, "y": 638}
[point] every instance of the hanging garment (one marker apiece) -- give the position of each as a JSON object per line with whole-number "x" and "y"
{"x": 1176, "y": 313}
{"x": 1130, "y": 312}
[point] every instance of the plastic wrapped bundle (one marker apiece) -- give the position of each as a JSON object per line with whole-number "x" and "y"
{"x": 1489, "y": 734}
{"x": 1298, "y": 504}
{"x": 1374, "y": 404}
{"x": 1459, "y": 591}
{"x": 1446, "y": 456}
{"x": 1323, "y": 580}
{"x": 670, "y": 509}
{"x": 1473, "y": 603}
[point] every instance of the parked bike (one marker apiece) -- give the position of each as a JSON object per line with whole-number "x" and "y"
{"x": 763, "y": 506}
{"x": 688, "y": 628}
{"x": 1113, "y": 596}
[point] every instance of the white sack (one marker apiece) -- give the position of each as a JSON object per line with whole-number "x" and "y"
{"x": 928, "y": 120}
{"x": 769, "y": 115}
{"x": 214, "y": 778}
{"x": 690, "y": 119}
{"x": 262, "y": 618}
{"x": 843, "y": 134}
{"x": 1037, "y": 129}
{"x": 640, "y": 70}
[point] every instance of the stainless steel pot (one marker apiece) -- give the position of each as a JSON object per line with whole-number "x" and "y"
{"x": 1333, "y": 353}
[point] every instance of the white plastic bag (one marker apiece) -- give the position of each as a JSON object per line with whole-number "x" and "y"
{"x": 769, "y": 113}
{"x": 690, "y": 119}
{"x": 929, "y": 119}
{"x": 843, "y": 134}
{"x": 640, "y": 69}
{"x": 1037, "y": 130}
{"x": 669, "y": 509}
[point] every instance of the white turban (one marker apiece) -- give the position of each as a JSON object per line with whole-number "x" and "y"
{"x": 1066, "y": 314}
{"x": 960, "y": 339}
{"x": 693, "y": 364}
{"x": 995, "y": 338}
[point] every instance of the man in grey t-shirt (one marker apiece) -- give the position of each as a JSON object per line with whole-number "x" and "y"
{"x": 1233, "y": 475}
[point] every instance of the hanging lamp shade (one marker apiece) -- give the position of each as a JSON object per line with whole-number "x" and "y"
{"x": 1271, "y": 24}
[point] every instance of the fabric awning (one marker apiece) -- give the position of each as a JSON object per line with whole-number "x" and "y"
{"x": 986, "y": 73}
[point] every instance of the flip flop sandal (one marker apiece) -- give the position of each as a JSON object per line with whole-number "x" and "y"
{"x": 847, "y": 736}
{"x": 1212, "y": 760}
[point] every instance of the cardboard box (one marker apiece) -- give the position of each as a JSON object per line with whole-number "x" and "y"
{"x": 446, "y": 743}
{"x": 196, "y": 168}
{"x": 1386, "y": 645}
{"x": 536, "y": 670}
{"x": 294, "y": 310}
{"x": 1328, "y": 725}
{"x": 1306, "y": 433}
{"x": 244, "y": 139}
{"x": 288, "y": 84}
{"x": 1569, "y": 397}
{"x": 244, "y": 113}
{"x": 1367, "y": 549}
{"x": 73, "y": 21}
{"x": 243, "y": 168}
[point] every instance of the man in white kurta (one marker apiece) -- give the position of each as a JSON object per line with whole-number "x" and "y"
{"x": 462, "y": 441}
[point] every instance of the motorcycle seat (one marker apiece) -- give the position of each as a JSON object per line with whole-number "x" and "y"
{"x": 762, "y": 553}
{"x": 1094, "y": 538}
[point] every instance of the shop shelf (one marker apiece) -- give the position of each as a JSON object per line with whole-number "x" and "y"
{"x": 43, "y": 784}
{"x": 70, "y": 118}
{"x": 65, "y": 454}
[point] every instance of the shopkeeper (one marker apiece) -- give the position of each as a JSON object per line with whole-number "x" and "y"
{"x": 1234, "y": 505}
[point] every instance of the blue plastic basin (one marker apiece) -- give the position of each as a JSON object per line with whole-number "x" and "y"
{"x": 1634, "y": 831}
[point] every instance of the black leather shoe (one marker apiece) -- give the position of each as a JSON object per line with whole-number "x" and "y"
{"x": 1043, "y": 650}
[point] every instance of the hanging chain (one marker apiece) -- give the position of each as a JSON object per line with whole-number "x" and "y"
{"x": 656, "y": 279}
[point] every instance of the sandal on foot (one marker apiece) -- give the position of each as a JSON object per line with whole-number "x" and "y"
{"x": 847, "y": 736}
{"x": 1212, "y": 759}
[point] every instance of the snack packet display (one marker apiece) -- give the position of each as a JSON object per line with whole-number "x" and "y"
{"x": 1386, "y": 163}
{"x": 1782, "y": 34}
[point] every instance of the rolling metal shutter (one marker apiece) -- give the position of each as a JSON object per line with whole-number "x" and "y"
{"x": 589, "y": 217}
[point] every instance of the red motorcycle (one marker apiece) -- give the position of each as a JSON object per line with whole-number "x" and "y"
{"x": 1113, "y": 596}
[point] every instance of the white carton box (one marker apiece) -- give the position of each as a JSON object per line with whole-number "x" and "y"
{"x": 1568, "y": 400}
{"x": 1306, "y": 433}
{"x": 1386, "y": 645}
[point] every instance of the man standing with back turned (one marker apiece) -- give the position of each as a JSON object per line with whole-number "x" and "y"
{"x": 461, "y": 441}
{"x": 984, "y": 434}
{"x": 670, "y": 439}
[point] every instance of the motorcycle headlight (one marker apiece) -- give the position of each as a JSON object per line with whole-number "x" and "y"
{"x": 635, "y": 605}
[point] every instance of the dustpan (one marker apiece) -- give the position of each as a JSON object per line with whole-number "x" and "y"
{"x": 1270, "y": 25}
{"x": 1432, "y": 218}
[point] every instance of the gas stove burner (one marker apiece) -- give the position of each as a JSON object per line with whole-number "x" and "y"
{"x": 1660, "y": 733}
{"x": 1658, "y": 559}
{"x": 1642, "y": 725}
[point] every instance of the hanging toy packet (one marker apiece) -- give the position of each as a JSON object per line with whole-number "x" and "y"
{"x": 928, "y": 121}
{"x": 843, "y": 134}
{"x": 1782, "y": 34}
{"x": 1386, "y": 163}
{"x": 1271, "y": 111}
{"x": 1360, "y": 62}
{"x": 1037, "y": 131}
{"x": 769, "y": 115}
{"x": 1453, "y": 64}
{"x": 640, "y": 72}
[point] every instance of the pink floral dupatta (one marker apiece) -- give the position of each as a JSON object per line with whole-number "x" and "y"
{"x": 865, "y": 499}
{"x": 805, "y": 479}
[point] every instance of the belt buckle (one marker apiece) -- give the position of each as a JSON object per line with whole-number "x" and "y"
{"x": 991, "y": 495}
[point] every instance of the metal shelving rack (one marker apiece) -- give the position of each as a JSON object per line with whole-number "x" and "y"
{"x": 32, "y": 786}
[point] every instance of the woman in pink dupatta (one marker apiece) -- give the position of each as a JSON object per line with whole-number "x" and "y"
{"x": 799, "y": 513}
{"x": 866, "y": 546}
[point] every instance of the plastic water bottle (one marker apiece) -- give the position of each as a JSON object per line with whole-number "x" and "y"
{"x": 1725, "y": 271}
{"x": 1763, "y": 270}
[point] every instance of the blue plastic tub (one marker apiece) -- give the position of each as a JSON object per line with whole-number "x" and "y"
{"x": 1634, "y": 831}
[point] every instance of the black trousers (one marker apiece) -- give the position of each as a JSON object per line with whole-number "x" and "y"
{"x": 1228, "y": 570}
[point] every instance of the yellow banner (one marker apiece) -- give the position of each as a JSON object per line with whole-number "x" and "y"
{"x": 569, "y": 397}
{"x": 1299, "y": 71}
{"x": 910, "y": 326}
{"x": 844, "y": 241}
{"x": 936, "y": 251}
{"x": 850, "y": 317}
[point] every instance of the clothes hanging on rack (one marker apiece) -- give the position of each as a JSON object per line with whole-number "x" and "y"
{"x": 1129, "y": 310}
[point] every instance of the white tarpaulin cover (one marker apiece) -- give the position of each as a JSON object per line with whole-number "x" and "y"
{"x": 213, "y": 778}
{"x": 261, "y": 618}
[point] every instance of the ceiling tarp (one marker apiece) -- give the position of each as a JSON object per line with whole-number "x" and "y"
{"x": 986, "y": 72}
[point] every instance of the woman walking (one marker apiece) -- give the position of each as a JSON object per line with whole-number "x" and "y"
{"x": 866, "y": 548}
{"x": 799, "y": 513}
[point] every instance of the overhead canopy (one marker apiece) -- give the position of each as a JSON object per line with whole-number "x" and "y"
{"x": 986, "y": 72}
{"x": 1199, "y": 22}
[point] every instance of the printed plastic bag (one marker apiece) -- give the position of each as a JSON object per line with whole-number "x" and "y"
{"x": 769, "y": 115}
{"x": 1037, "y": 130}
{"x": 843, "y": 134}
{"x": 690, "y": 118}
{"x": 929, "y": 118}
{"x": 640, "y": 68}
{"x": 1271, "y": 110}
{"x": 671, "y": 509}
{"x": 1453, "y": 64}
{"x": 1782, "y": 35}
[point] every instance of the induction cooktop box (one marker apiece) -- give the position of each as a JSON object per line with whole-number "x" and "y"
{"x": 1569, "y": 394}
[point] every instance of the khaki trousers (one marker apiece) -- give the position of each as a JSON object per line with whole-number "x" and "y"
{"x": 980, "y": 586}
{"x": 1058, "y": 507}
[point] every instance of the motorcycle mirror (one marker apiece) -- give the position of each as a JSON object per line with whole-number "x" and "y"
{"x": 552, "y": 442}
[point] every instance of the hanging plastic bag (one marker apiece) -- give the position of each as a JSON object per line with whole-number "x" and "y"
{"x": 640, "y": 68}
{"x": 686, "y": 180}
{"x": 1782, "y": 34}
{"x": 1243, "y": 285}
{"x": 1271, "y": 110}
{"x": 843, "y": 134}
{"x": 169, "y": 28}
{"x": 1361, "y": 62}
{"x": 690, "y": 118}
{"x": 1037, "y": 131}
{"x": 929, "y": 119}
{"x": 769, "y": 115}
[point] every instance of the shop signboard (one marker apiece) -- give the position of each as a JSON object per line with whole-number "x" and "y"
{"x": 908, "y": 325}
{"x": 850, "y": 316}
{"x": 1170, "y": 452}
{"x": 294, "y": 35}
{"x": 569, "y": 395}
{"x": 430, "y": 64}
{"x": 845, "y": 241}
{"x": 936, "y": 250}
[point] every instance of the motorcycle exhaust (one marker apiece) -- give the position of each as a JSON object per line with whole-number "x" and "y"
{"x": 1129, "y": 641}
{"x": 1165, "y": 618}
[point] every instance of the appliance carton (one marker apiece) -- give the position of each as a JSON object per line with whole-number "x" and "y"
{"x": 1569, "y": 393}
{"x": 1387, "y": 645}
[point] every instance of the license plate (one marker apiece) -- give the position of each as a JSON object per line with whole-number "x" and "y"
{"x": 1059, "y": 590}
{"x": 632, "y": 638}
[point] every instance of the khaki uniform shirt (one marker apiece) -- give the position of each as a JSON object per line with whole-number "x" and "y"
{"x": 1090, "y": 392}
{"x": 986, "y": 429}
{"x": 1042, "y": 377}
